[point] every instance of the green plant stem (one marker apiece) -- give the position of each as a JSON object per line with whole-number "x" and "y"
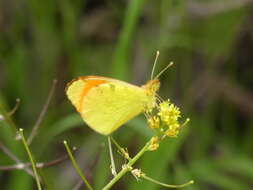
{"x": 31, "y": 159}
{"x": 166, "y": 185}
{"x": 127, "y": 167}
{"x": 76, "y": 166}
{"x": 122, "y": 150}
{"x": 7, "y": 118}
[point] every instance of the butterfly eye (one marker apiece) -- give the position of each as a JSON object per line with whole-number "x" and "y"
{"x": 152, "y": 86}
{"x": 155, "y": 86}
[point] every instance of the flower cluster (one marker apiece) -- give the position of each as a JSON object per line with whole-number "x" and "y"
{"x": 154, "y": 144}
{"x": 166, "y": 120}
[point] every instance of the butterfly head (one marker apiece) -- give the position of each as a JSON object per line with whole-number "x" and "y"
{"x": 152, "y": 86}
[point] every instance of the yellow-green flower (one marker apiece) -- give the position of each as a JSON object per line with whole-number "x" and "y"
{"x": 173, "y": 130}
{"x": 168, "y": 112}
{"x": 154, "y": 144}
{"x": 167, "y": 120}
{"x": 154, "y": 122}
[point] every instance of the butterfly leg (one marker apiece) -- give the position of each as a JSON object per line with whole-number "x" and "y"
{"x": 113, "y": 168}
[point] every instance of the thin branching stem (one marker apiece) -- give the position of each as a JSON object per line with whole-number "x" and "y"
{"x": 18, "y": 164}
{"x": 9, "y": 153}
{"x": 78, "y": 170}
{"x": 31, "y": 159}
{"x": 14, "y": 109}
{"x": 6, "y": 117}
{"x": 42, "y": 113}
{"x": 90, "y": 167}
{"x": 127, "y": 167}
{"x": 167, "y": 185}
{"x": 122, "y": 150}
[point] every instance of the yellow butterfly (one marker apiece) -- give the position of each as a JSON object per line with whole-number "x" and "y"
{"x": 105, "y": 104}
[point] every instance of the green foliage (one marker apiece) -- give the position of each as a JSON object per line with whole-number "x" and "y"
{"x": 211, "y": 82}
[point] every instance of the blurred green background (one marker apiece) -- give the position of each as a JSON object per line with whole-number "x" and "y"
{"x": 211, "y": 44}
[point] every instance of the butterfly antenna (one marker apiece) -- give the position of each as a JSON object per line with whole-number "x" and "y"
{"x": 159, "y": 98}
{"x": 147, "y": 115}
{"x": 153, "y": 69}
{"x": 159, "y": 74}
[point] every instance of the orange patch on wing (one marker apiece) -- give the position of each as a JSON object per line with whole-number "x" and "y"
{"x": 89, "y": 85}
